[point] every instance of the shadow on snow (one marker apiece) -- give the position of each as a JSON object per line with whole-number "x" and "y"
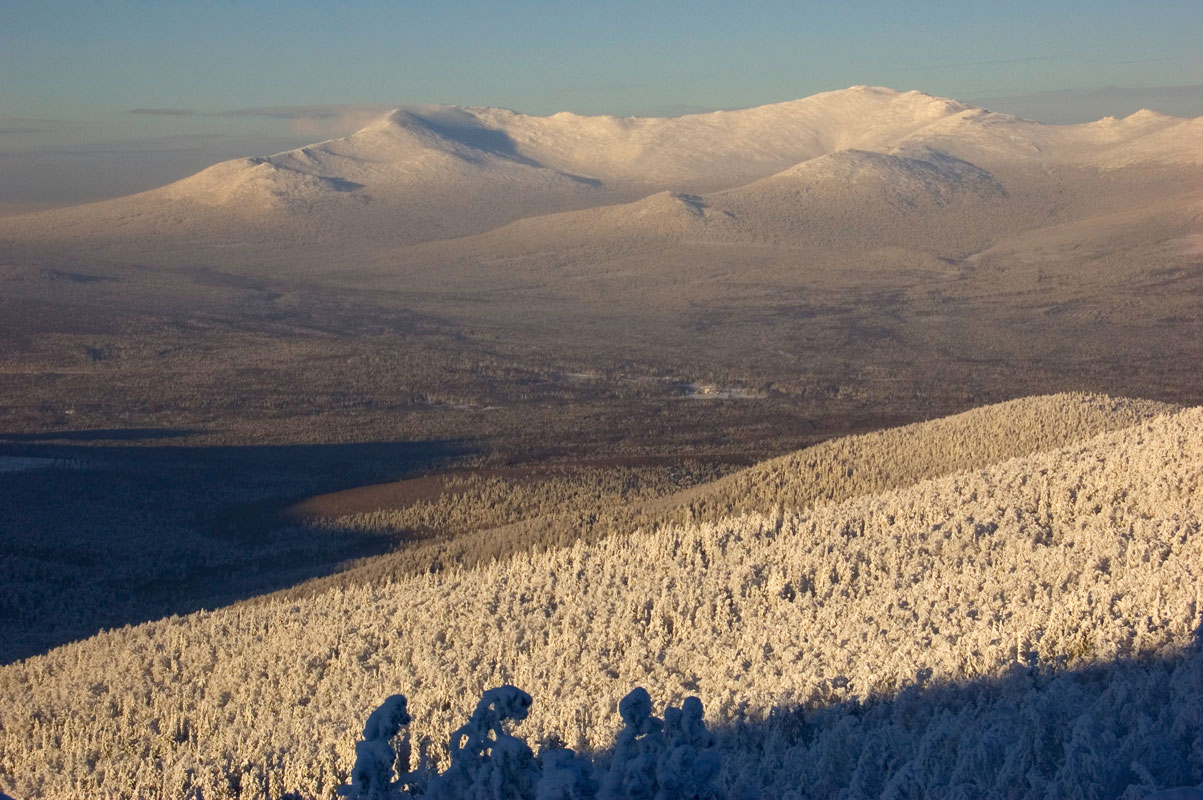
{"x": 134, "y": 532}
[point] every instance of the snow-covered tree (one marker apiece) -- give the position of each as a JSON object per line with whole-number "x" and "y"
{"x": 375, "y": 759}
{"x": 488, "y": 763}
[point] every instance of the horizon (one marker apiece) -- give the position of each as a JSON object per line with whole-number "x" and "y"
{"x": 102, "y": 101}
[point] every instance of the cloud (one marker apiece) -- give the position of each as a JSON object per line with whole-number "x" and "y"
{"x": 944, "y": 66}
{"x": 308, "y": 112}
{"x": 25, "y": 126}
{"x": 330, "y": 120}
{"x": 317, "y": 120}
{"x": 321, "y": 112}
{"x": 163, "y": 112}
{"x": 1192, "y": 91}
{"x": 188, "y": 142}
{"x": 1088, "y": 104}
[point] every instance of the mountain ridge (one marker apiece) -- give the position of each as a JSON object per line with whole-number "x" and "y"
{"x": 439, "y": 172}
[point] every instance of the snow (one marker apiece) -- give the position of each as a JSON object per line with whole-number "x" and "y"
{"x": 27, "y": 463}
{"x": 943, "y": 638}
{"x": 726, "y": 147}
{"x": 372, "y": 775}
{"x": 439, "y": 172}
{"x": 674, "y": 758}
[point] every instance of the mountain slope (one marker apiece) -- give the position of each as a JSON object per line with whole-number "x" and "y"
{"x": 391, "y": 159}
{"x": 700, "y": 152}
{"x": 439, "y": 172}
{"x": 1073, "y": 559}
{"x": 835, "y": 471}
{"x": 946, "y": 192}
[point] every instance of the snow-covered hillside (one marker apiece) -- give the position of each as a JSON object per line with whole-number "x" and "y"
{"x": 1027, "y": 629}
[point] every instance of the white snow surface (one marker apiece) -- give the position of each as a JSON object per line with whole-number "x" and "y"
{"x": 1024, "y": 628}
{"x": 442, "y": 172}
{"x": 697, "y": 152}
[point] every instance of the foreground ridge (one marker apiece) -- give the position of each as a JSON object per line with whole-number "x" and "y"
{"x": 1033, "y": 624}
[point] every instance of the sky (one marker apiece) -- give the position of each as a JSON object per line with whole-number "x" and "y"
{"x": 105, "y": 97}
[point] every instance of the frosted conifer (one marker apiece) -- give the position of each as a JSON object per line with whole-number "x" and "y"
{"x": 486, "y": 762}
{"x": 372, "y": 775}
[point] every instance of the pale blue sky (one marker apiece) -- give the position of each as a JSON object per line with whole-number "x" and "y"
{"x": 215, "y": 79}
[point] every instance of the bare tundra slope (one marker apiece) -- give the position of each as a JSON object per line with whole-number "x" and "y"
{"x": 1027, "y": 628}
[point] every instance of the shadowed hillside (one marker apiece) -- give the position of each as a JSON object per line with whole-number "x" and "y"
{"x": 133, "y": 528}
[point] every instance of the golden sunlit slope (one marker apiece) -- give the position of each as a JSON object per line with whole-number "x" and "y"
{"x": 493, "y": 518}
{"x": 1080, "y": 563}
{"x": 845, "y": 468}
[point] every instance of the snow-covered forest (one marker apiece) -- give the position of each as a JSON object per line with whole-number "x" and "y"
{"x": 1025, "y": 624}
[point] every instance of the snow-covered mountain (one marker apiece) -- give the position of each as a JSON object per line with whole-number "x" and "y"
{"x": 447, "y": 144}
{"x": 439, "y": 172}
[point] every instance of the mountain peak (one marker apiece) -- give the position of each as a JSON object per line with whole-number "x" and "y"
{"x": 434, "y": 161}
